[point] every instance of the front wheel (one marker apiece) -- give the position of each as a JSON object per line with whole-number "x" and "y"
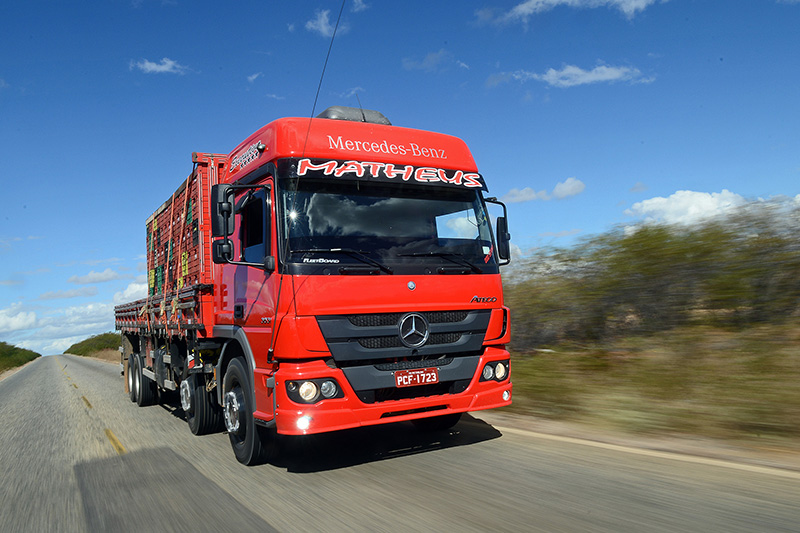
{"x": 252, "y": 444}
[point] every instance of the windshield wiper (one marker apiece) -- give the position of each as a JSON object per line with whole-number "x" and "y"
{"x": 349, "y": 251}
{"x": 453, "y": 257}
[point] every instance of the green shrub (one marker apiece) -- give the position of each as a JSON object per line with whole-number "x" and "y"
{"x": 104, "y": 341}
{"x": 11, "y": 356}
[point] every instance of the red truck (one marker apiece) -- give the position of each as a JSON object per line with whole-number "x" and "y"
{"x": 329, "y": 273}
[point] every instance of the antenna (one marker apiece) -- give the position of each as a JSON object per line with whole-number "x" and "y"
{"x": 363, "y": 116}
{"x": 322, "y": 76}
{"x": 282, "y": 265}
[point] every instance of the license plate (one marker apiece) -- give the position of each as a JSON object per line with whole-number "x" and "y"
{"x": 420, "y": 376}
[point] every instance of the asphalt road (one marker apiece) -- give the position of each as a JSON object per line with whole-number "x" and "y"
{"x": 77, "y": 455}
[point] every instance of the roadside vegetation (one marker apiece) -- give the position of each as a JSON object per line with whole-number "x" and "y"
{"x": 666, "y": 328}
{"x": 104, "y": 346}
{"x": 11, "y": 356}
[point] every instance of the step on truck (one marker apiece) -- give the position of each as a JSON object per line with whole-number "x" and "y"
{"x": 329, "y": 273}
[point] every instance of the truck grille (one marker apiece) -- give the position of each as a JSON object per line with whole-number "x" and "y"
{"x": 376, "y": 338}
{"x": 369, "y": 350}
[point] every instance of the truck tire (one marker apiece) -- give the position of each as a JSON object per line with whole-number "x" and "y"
{"x": 146, "y": 389}
{"x": 251, "y": 443}
{"x": 131, "y": 377}
{"x": 437, "y": 423}
{"x": 202, "y": 413}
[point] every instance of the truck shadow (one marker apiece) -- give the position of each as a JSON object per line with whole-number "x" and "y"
{"x": 342, "y": 449}
{"x": 351, "y": 447}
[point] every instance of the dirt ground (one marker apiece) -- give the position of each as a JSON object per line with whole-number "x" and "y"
{"x": 107, "y": 355}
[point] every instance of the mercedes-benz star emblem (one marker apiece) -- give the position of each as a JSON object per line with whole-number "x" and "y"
{"x": 413, "y": 330}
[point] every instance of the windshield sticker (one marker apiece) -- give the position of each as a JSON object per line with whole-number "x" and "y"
{"x": 390, "y": 172}
{"x": 320, "y": 260}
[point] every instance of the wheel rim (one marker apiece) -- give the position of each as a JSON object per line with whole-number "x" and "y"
{"x": 186, "y": 396}
{"x": 234, "y": 404}
{"x": 131, "y": 370}
{"x": 136, "y": 381}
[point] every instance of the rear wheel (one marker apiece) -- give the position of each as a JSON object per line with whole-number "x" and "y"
{"x": 202, "y": 412}
{"x": 132, "y": 377}
{"x": 437, "y": 423}
{"x": 252, "y": 444}
{"x": 146, "y": 387}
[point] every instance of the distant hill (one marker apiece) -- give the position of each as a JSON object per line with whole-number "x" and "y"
{"x": 92, "y": 345}
{"x": 11, "y": 356}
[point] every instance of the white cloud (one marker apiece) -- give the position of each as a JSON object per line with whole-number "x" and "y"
{"x": 430, "y": 63}
{"x": 570, "y": 187}
{"x": 88, "y": 319}
{"x": 349, "y": 93}
{"x": 524, "y": 195}
{"x": 72, "y": 293}
{"x": 564, "y": 189}
{"x": 253, "y": 77}
{"x": 685, "y": 207}
{"x": 96, "y": 277}
{"x": 359, "y": 5}
{"x": 134, "y": 291}
{"x": 167, "y": 66}
{"x": 571, "y": 76}
{"x": 13, "y": 318}
{"x": 321, "y": 24}
{"x": 525, "y": 10}
{"x": 275, "y": 96}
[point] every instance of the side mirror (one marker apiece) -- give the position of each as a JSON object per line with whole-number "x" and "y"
{"x": 503, "y": 239}
{"x": 221, "y": 211}
{"x": 222, "y": 251}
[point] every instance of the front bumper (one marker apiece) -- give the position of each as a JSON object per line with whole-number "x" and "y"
{"x": 292, "y": 418}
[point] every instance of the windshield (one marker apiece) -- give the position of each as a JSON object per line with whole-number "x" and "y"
{"x": 390, "y": 229}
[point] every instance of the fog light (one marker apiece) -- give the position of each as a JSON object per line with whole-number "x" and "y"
{"x": 328, "y": 389}
{"x": 488, "y": 372}
{"x": 308, "y": 391}
{"x": 303, "y": 422}
{"x": 506, "y": 395}
{"x": 500, "y": 371}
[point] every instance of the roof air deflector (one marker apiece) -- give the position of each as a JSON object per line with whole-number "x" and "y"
{"x": 354, "y": 114}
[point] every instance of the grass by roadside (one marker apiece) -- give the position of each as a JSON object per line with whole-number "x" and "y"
{"x": 11, "y": 356}
{"x": 693, "y": 381}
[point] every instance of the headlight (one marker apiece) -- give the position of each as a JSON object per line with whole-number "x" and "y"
{"x": 500, "y": 371}
{"x": 328, "y": 389}
{"x": 488, "y": 372}
{"x": 308, "y": 391}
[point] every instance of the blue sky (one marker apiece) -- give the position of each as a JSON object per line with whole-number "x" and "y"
{"x": 582, "y": 114}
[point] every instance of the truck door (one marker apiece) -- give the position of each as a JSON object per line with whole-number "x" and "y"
{"x": 251, "y": 289}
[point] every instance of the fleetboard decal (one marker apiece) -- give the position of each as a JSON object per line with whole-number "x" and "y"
{"x": 389, "y": 172}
